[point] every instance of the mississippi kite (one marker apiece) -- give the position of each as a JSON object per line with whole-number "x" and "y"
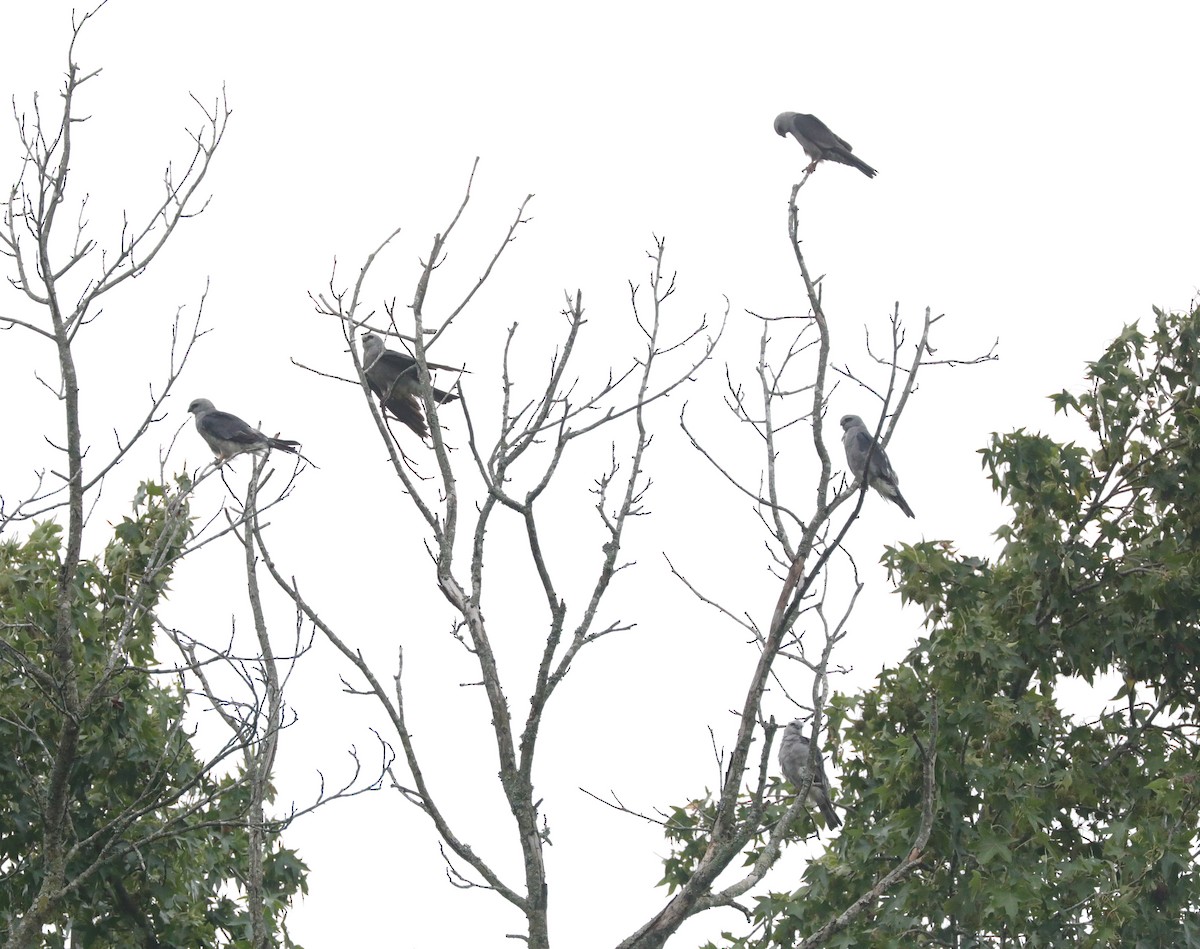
{"x": 793, "y": 760}
{"x": 858, "y": 442}
{"x": 818, "y": 142}
{"x": 394, "y": 378}
{"x": 227, "y": 435}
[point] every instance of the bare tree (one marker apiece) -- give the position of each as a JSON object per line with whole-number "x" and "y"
{"x": 537, "y": 433}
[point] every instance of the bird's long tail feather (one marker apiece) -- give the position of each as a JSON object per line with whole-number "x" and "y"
{"x": 898, "y": 498}
{"x": 861, "y": 165}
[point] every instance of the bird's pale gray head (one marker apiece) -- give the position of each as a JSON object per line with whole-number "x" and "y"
{"x": 200, "y": 405}
{"x": 851, "y": 421}
{"x": 371, "y": 343}
{"x": 795, "y": 729}
{"x": 783, "y": 122}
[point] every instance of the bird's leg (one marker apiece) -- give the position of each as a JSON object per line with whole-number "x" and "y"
{"x": 812, "y": 167}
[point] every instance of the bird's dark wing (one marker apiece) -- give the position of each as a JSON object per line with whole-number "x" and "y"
{"x": 832, "y": 147}
{"x": 393, "y": 377}
{"x": 230, "y": 428}
{"x": 398, "y": 371}
{"x": 405, "y": 407}
{"x": 881, "y": 468}
{"x": 396, "y": 396}
{"x": 819, "y": 773}
{"x": 395, "y": 364}
{"x": 818, "y": 132}
{"x": 398, "y": 366}
{"x": 862, "y": 443}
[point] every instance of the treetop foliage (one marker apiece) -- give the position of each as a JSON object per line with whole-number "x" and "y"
{"x": 1052, "y": 828}
{"x": 156, "y": 837}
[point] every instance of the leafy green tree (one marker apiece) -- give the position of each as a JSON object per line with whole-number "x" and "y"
{"x": 156, "y": 843}
{"x": 1052, "y": 827}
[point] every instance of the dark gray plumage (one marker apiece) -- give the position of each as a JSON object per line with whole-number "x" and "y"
{"x": 227, "y": 435}
{"x": 858, "y": 441}
{"x": 793, "y": 761}
{"x": 818, "y": 142}
{"x": 394, "y": 378}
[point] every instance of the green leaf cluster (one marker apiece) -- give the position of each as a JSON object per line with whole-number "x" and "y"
{"x": 157, "y": 841}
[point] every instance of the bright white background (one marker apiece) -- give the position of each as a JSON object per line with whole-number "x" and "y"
{"x": 1037, "y": 184}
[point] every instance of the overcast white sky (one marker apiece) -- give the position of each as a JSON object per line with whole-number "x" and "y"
{"x": 1036, "y": 183}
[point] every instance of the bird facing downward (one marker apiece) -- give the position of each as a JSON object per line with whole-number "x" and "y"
{"x": 394, "y": 378}
{"x": 227, "y": 435}
{"x": 882, "y": 478}
{"x": 793, "y": 761}
{"x": 818, "y": 142}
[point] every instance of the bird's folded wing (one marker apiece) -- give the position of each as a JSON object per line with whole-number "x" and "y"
{"x": 230, "y": 428}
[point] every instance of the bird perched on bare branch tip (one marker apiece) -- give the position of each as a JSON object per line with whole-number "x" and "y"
{"x": 793, "y": 761}
{"x": 858, "y": 441}
{"x": 227, "y": 435}
{"x": 819, "y": 142}
{"x": 394, "y": 378}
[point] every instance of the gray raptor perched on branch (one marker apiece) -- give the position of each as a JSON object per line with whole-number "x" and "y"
{"x": 793, "y": 761}
{"x": 227, "y": 435}
{"x": 882, "y": 478}
{"x": 818, "y": 142}
{"x": 394, "y": 378}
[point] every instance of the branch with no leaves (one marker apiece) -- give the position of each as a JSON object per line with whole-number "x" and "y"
{"x": 729, "y": 834}
{"x": 423, "y": 798}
